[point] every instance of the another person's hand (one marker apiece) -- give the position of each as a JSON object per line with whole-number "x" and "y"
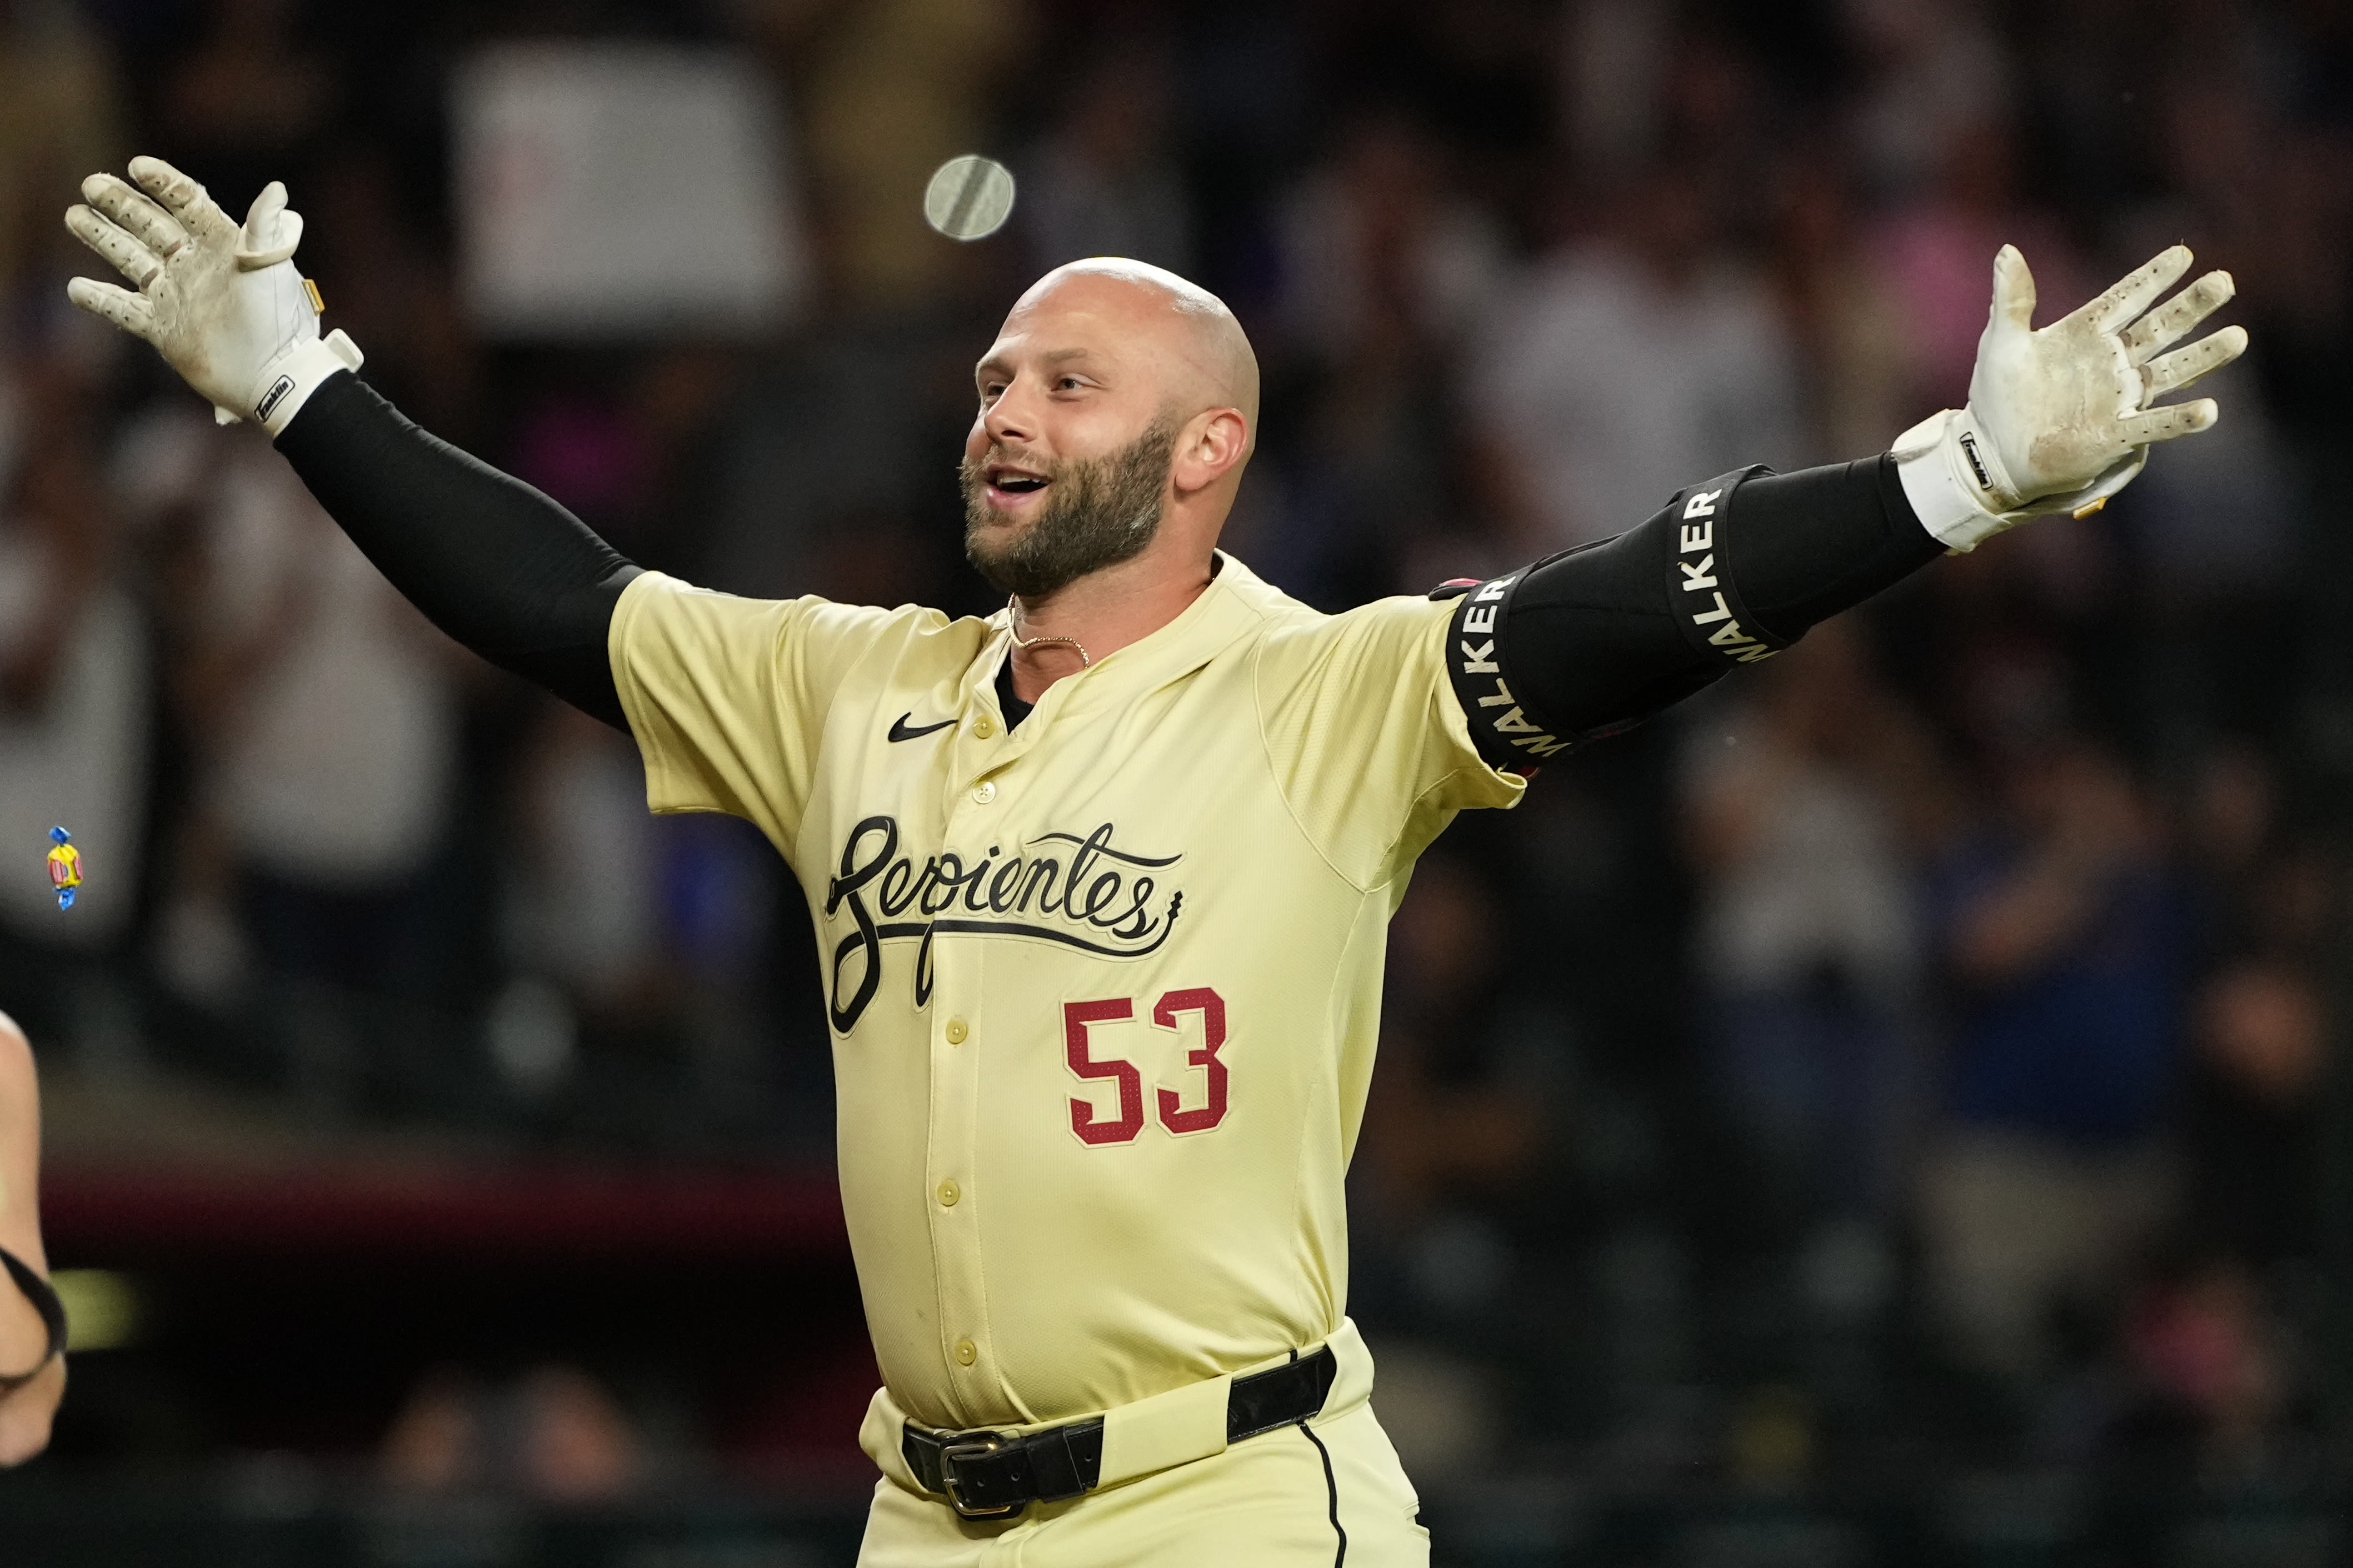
{"x": 224, "y": 305}
{"x": 2062, "y": 418}
{"x": 32, "y": 1375}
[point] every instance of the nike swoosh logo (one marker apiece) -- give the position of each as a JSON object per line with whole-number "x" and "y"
{"x": 901, "y": 731}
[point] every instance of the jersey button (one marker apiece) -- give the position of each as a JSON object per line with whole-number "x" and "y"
{"x": 967, "y": 1352}
{"x": 985, "y": 792}
{"x": 949, "y": 1193}
{"x": 956, "y": 1031}
{"x": 982, "y": 728}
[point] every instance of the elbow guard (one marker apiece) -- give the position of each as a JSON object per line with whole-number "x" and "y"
{"x": 1590, "y": 642}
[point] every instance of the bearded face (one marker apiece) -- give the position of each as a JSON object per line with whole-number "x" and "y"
{"x": 1099, "y": 512}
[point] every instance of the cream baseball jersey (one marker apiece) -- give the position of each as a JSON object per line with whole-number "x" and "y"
{"x": 1103, "y": 990}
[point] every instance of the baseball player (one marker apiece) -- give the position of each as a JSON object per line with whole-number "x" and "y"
{"x": 31, "y": 1322}
{"x": 1099, "y": 880}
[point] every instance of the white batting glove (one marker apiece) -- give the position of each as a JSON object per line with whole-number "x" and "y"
{"x": 2061, "y": 420}
{"x": 225, "y": 307}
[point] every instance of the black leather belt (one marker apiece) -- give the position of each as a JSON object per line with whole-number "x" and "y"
{"x": 994, "y": 1475}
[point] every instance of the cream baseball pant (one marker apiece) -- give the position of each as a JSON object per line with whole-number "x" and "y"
{"x": 1285, "y": 1498}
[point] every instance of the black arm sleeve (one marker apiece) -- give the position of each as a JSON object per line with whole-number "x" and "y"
{"x": 491, "y": 560}
{"x": 1595, "y": 640}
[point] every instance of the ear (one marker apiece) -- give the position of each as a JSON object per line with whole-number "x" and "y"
{"x": 1212, "y": 445}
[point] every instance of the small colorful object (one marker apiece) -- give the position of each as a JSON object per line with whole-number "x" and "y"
{"x": 65, "y": 866}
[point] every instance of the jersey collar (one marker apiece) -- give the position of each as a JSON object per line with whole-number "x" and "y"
{"x": 1236, "y": 600}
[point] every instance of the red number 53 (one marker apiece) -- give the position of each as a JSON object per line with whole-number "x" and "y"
{"x": 1174, "y": 1114}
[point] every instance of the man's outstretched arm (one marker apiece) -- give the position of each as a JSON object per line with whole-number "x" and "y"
{"x": 1735, "y": 569}
{"x": 497, "y": 565}
{"x": 1600, "y": 639}
{"x": 491, "y": 560}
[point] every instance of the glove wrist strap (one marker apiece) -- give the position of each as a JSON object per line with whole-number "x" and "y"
{"x": 1939, "y": 460}
{"x": 291, "y": 378}
{"x": 1928, "y": 461}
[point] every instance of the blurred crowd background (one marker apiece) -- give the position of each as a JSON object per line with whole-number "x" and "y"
{"x": 1892, "y": 1106}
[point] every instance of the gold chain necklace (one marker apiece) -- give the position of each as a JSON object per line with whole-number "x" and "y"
{"x": 1012, "y": 613}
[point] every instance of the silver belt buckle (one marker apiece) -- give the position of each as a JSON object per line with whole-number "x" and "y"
{"x": 972, "y": 1447}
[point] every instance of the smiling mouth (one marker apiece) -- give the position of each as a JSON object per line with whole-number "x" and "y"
{"x": 1012, "y": 491}
{"x": 1015, "y": 481}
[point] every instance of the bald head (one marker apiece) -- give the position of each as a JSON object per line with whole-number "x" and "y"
{"x": 1202, "y": 351}
{"x": 1118, "y": 408}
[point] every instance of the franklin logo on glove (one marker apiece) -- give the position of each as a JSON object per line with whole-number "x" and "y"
{"x": 273, "y": 397}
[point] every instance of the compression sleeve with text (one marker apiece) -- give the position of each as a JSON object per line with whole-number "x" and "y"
{"x": 497, "y": 565}
{"x": 1594, "y": 640}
